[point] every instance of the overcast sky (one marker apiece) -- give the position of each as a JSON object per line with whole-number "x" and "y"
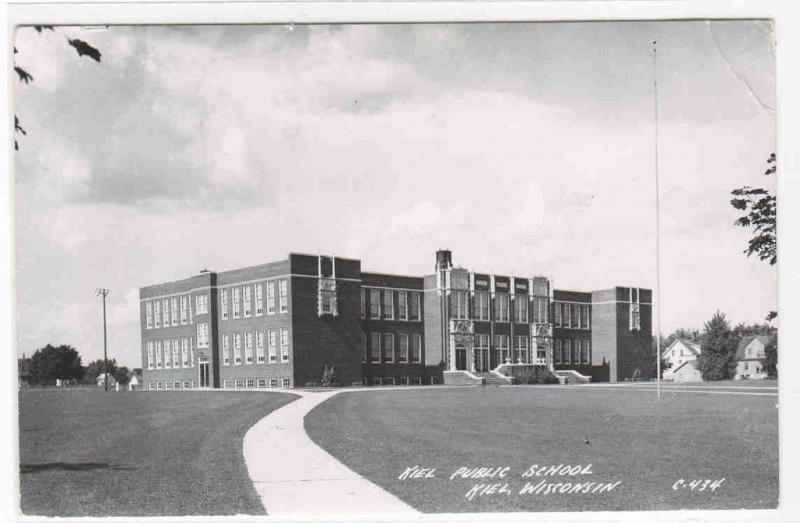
{"x": 524, "y": 148}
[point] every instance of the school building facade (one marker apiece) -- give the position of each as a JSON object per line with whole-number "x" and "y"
{"x": 284, "y": 323}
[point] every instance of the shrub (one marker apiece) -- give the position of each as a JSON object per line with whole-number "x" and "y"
{"x": 534, "y": 376}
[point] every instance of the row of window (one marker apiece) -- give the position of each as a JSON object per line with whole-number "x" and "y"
{"x": 501, "y": 345}
{"x": 572, "y": 315}
{"x": 568, "y": 351}
{"x": 391, "y": 382}
{"x": 173, "y": 311}
{"x": 170, "y": 354}
{"x": 170, "y": 385}
{"x": 252, "y": 383}
{"x": 248, "y": 300}
{"x": 232, "y": 354}
{"x": 391, "y": 348}
{"x": 380, "y": 304}
{"x": 478, "y": 307}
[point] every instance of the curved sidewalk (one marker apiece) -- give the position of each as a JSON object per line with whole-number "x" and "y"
{"x": 295, "y": 477}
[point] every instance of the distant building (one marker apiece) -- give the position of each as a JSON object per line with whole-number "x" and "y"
{"x": 102, "y": 378}
{"x": 687, "y": 372}
{"x": 24, "y": 376}
{"x": 679, "y": 352}
{"x": 135, "y": 381}
{"x": 280, "y": 324}
{"x": 750, "y": 355}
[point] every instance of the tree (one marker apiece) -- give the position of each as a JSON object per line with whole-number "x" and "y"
{"x": 758, "y": 208}
{"x": 95, "y": 369}
{"x": 50, "y": 363}
{"x": 80, "y": 46}
{"x": 328, "y": 375}
{"x": 122, "y": 375}
{"x": 683, "y": 334}
{"x": 717, "y": 359}
{"x": 771, "y": 358}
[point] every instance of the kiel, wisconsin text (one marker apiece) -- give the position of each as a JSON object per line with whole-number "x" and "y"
{"x": 540, "y": 480}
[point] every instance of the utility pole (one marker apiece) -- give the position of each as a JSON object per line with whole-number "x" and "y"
{"x": 100, "y": 291}
{"x": 658, "y": 222}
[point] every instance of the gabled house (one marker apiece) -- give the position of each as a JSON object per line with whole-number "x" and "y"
{"x": 687, "y": 372}
{"x": 750, "y": 356}
{"x": 677, "y": 354}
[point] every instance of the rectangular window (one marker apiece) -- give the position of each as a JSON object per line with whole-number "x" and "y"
{"x": 458, "y": 305}
{"x": 273, "y": 382}
{"x": 575, "y": 318}
{"x": 501, "y": 342}
{"x": 377, "y": 381}
{"x": 286, "y": 383}
{"x": 587, "y": 351}
{"x": 201, "y": 305}
{"x": 388, "y": 382}
{"x": 237, "y": 301}
{"x": 226, "y": 384}
{"x": 521, "y": 349}
{"x": 481, "y": 305}
{"x": 165, "y": 308}
{"x": 270, "y": 297}
{"x": 202, "y": 335}
{"x": 416, "y": 348}
{"x": 167, "y": 355}
{"x": 157, "y": 309}
{"x": 363, "y": 303}
{"x": 557, "y": 314}
{"x": 250, "y": 383}
{"x": 635, "y": 318}
{"x": 158, "y": 354}
{"x": 191, "y": 352}
{"x": 403, "y": 380}
{"x": 248, "y": 298}
{"x": 283, "y": 286}
{"x": 567, "y": 351}
{"x": 415, "y": 307}
{"x": 238, "y": 383}
{"x": 388, "y": 348}
{"x": 187, "y": 385}
{"x": 262, "y": 382}
{"x": 363, "y": 347}
{"x": 402, "y": 305}
{"x": 402, "y": 348}
{"x": 174, "y": 303}
{"x": 237, "y": 348}
{"x": 521, "y": 309}
{"x": 557, "y": 351}
{"x": 501, "y": 307}
{"x": 167, "y": 385}
{"x": 150, "y": 355}
{"x": 248, "y": 348}
{"x": 577, "y": 348}
{"x": 259, "y": 299}
{"x": 159, "y": 385}
{"x": 375, "y": 304}
{"x": 272, "y": 345}
{"x": 224, "y": 303}
{"x": 184, "y": 312}
{"x": 260, "y": 347}
{"x": 177, "y": 385}
{"x": 388, "y": 305}
{"x": 567, "y": 315}
{"x": 375, "y": 347}
{"x": 284, "y": 344}
{"x": 148, "y": 312}
{"x": 176, "y": 358}
{"x": 184, "y": 352}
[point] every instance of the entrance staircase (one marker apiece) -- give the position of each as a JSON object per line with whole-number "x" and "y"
{"x": 491, "y": 379}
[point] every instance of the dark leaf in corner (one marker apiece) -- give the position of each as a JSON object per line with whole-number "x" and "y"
{"x": 85, "y": 49}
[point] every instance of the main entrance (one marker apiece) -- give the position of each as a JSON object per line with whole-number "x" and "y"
{"x": 204, "y": 375}
{"x": 461, "y": 358}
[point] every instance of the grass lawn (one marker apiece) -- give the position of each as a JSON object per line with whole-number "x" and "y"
{"x": 89, "y": 453}
{"x": 634, "y": 438}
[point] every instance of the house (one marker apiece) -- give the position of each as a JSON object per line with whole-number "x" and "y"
{"x": 24, "y": 371}
{"x": 750, "y": 356}
{"x": 135, "y": 379}
{"x": 687, "y": 372}
{"x": 102, "y": 377}
{"x": 679, "y": 352}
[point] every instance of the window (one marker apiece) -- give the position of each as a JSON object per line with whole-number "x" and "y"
{"x": 237, "y": 348}
{"x": 272, "y": 345}
{"x": 174, "y": 302}
{"x": 284, "y": 344}
{"x": 148, "y": 312}
{"x": 184, "y": 311}
{"x": 167, "y": 385}
{"x": 635, "y": 319}
{"x": 458, "y": 305}
{"x": 286, "y": 383}
{"x": 262, "y": 382}
{"x": 326, "y": 296}
{"x": 414, "y": 307}
{"x": 587, "y": 318}
{"x": 403, "y": 380}
{"x": 237, "y": 383}
{"x": 191, "y": 352}
{"x": 388, "y": 347}
{"x": 576, "y": 351}
{"x": 388, "y": 382}
{"x": 521, "y": 349}
{"x": 226, "y": 384}
{"x": 567, "y": 351}
{"x": 248, "y": 348}
{"x": 567, "y": 315}
{"x": 201, "y": 305}
{"x": 284, "y": 295}
{"x": 237, "y": 297}
{"x": 159, "y": 385}
{"x": 539, "y": 310}
{"x": 165, "y": 306}
{"x": 363, "y": 303}
{"x": 557, "y": 314}
{"x": 260, "y": 347}
{"x": 557, "y": 351}
{"x": 270, "y": 297}
{"x": 158, "y": 354}
{"x": 250, "y": 383}
{"x": 541, "y": 354}
{"x": 202, "y": 335}
{"x": 167, "y": 355}
{"x": 521, "y": 309}
{"x": 259, "y": 299}
{"x": 501, "y": 307}
{"x": 176, "y": 358}
{"x": 273, "y": 382}
{"x": 177, "y": 385}
{"x": 187, "y": 385}
{"x": 402, "y": 348}
{"x": 402, "y": 305}
{"x": 150, "y": 356}
{"x": 501, "y": 343}
{"x": 226, "y": 355}
{"x": 157, "y": 309}
{"x": 377, "y": 381}
{"x": 388, "y": 305}
{"x": 575, "y": 316}
{"x": 587, "y": 356}
{"x": 248, "y": 298}
{"x": 375, "y": 347}
{"x": 416, "y": 348}
{"x": 185, "y": 352}
{"x": 481, "y": 306}
{"x": 374, "y": 304}
{"x": 224, "y": 303}
{"x": 149, "y": 385}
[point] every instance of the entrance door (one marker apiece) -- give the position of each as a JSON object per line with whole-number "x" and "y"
{"x": 461, "y": 358}
{"x": 204, "y": 381}
{"x": 482, "y": 360}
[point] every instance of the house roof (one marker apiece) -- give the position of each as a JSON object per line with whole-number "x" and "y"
{"x": 747, "y": 340}
{"x": 693, "y": 347}
{"x": 693, "y": 363}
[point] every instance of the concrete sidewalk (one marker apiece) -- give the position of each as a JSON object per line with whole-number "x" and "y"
{"x": 295, "y": 477}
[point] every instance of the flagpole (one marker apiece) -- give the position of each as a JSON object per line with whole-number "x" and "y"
{"x": 658, "y": 223}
